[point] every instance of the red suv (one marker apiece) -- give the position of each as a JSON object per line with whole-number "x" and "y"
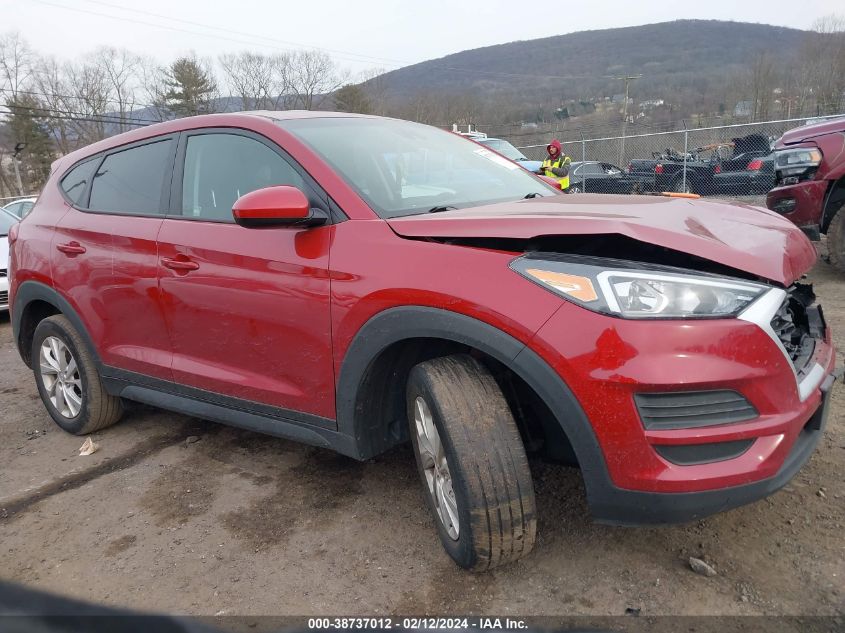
{"x": 355, "y": 282}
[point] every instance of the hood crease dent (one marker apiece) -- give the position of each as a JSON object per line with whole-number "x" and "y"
{"x": 751, "y": 239}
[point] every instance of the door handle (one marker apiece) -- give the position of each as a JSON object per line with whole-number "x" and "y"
{"x": 182, "y": 265}
{"x": 71, "y": 248}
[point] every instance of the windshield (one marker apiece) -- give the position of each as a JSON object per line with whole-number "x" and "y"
{"x": 504, "y": 148}
{"x": 6, "y": 222}
{"x": 403, "y": 168}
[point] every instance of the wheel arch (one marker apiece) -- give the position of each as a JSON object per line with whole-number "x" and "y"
{"x": 374, "y": 416}
{"x": 833, "y": 202}
{"x": 34, "y": 302}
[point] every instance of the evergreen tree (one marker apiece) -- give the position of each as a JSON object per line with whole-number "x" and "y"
{"x": 188, "y": 88}
{"x": 26, "y": 125}
{"x": 353, "y": 98}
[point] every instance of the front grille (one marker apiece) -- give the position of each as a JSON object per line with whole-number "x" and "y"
{"x": 691, "y": 409}
{"x": 4, "y": 298}
{"x": 797, "y": 323}
{"x": 4, "y": 272}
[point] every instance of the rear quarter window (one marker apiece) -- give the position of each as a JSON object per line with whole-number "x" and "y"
{"x": 75, "y": 183}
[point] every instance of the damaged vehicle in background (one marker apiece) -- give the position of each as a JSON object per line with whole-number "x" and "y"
{"x": 741, "y": 166}
{"x": 356, "y": 283}
{"x": 810, "y": 191}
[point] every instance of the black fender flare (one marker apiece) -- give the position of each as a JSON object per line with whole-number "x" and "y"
{"x": 409, "y": 322}
{"x": 30, "y": 291}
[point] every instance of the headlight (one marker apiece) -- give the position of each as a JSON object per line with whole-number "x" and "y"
{"x": 636, "y": 291}
{"x": 799, "y": 163}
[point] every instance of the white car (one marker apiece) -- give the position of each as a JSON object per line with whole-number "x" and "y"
{"x": 6, "y": 222}
{"x": 20, "y": 208}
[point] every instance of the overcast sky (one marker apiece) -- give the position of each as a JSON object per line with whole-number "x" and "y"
{"x": 360, "y": 34}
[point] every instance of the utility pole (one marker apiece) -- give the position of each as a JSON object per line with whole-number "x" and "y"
{"x": 15, "y": 160}
{"x": 627, "y": 81}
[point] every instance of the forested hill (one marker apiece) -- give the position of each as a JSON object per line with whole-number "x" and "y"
{"x": 676, "y": 56}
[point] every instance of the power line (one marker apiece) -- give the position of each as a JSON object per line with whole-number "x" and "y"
{"x": 53, "y": 95}
{"x": 396, "y": 63}
{"x": 50, "y": 113}
{"x": 189, "y": 31}
{"x": 250, "y": 35}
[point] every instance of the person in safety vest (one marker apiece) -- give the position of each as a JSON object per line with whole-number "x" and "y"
{"x": 556, "y": 165}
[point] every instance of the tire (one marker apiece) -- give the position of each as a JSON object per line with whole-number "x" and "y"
{"x": 84, "y": 406}
{"x": 486, "y": 470}
{"x": 836, "y": 240}
{"x": 678, "y": 185}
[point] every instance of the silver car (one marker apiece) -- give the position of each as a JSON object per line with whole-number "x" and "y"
{"x": 20, "y": 208}
{"x": 7, "y": 220}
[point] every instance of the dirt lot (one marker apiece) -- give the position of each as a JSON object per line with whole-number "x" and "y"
{"x": 179, "y": 515}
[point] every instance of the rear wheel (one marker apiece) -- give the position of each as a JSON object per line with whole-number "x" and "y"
{"x": 836, "y": 240}
{"x": 472, "y": 462}
{"x": 68, "y": 381}
{"x": 681, "y": 186}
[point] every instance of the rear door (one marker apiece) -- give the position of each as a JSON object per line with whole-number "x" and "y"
{"x": 104, "y": 255}
{"x": 247, "y": 309}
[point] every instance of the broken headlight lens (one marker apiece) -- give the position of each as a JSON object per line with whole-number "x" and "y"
{"x": 796, "y": 164}
{"x": 629, "y": 290}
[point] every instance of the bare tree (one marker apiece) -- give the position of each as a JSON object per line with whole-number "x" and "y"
{"x": 120, "y": 68}
{"x": 312, "y": 76}
{"x": 16, "y": 63}
{"x": 260, "y": 81}
{"x": 823, "y": 57}
{"x": 763, "y": 81}
{"x": 374, "y": 84}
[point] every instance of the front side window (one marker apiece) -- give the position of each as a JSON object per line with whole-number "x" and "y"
{"x": 76, "y": 181}
{"x": 131, "y": 181}
{"x": 220, "y": 168}
{"x": 402, "y": 168}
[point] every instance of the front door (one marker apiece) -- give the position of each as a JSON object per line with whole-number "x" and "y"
{"x": 247, "y": 309}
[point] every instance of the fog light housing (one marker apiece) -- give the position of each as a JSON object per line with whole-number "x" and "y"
{"x": 785, "y": 205}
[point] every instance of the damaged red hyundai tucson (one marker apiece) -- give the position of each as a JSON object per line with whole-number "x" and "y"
{"x": 355, "y": 283}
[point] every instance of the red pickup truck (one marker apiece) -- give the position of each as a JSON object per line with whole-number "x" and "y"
{"x": 810, "y": 176}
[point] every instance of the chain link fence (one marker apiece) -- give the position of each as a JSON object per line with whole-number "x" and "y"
{"x": 734, "y": 161}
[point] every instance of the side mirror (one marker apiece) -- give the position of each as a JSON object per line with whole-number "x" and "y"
{"x": 276, "y": 206}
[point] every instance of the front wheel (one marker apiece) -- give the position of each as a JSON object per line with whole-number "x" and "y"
{"x": 472, "y": 462}
{"x": 68, "y": 380}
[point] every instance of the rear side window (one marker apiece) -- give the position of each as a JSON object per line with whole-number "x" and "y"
{"x": 220, "y": 168}
{"x": 131, "y": 181}
{"x": 75, "y": 182}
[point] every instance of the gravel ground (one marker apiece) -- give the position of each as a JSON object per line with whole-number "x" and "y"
{"x": 179, "y": 515}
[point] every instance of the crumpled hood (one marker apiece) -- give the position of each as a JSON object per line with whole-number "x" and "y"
{"x": 747, "y": 238}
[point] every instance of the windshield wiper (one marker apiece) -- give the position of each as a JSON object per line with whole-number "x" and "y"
{"x": 441, "y": 208}
{"x": 533, "y": 194}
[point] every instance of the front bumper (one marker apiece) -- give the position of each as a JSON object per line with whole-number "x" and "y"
{"x": 608, "y": 361}
{"x": 4, "y": 293}
{"x": 801, "y": 203}
{"x": 617, "y": 506}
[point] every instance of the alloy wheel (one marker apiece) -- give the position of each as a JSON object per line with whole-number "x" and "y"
{"x": 435, "y": 466}
{"x": 60, "y": 376}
